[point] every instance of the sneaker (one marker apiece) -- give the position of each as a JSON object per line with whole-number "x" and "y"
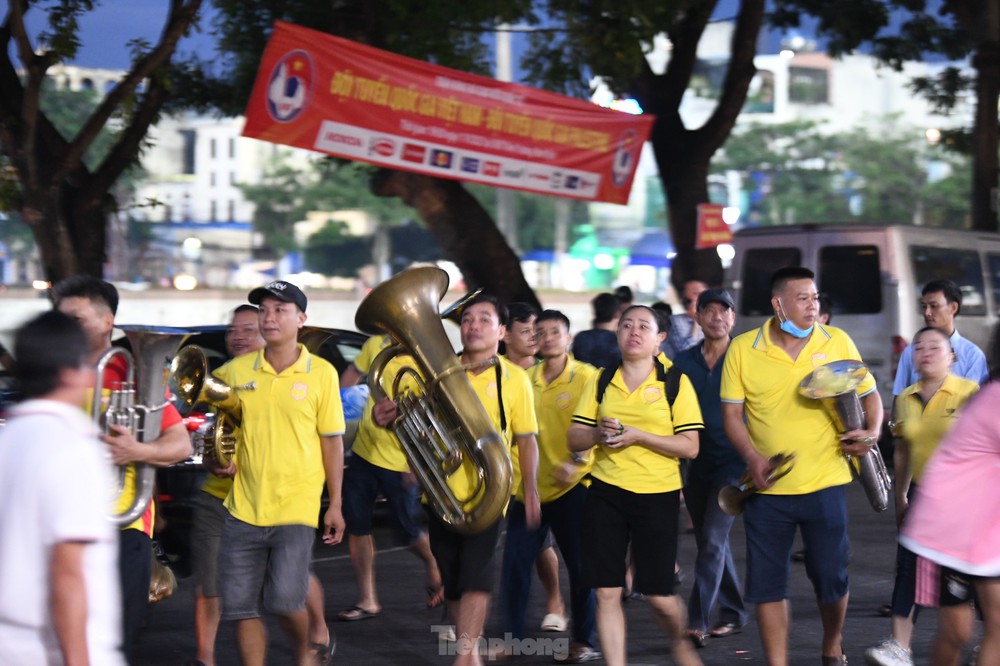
{"x": 578, "y": 654}
{"x": 889, "y": 653}
{"x": 554, "y": 622}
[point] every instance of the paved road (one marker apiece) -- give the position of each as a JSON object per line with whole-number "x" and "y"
{"x": 403, "y": 634}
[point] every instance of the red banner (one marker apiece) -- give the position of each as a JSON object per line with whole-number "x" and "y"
{"x": 712, "y": 229}
{"x": 324, "y": 93}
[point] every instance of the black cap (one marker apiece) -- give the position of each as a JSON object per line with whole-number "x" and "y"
{"x": 283, "y": 291}
{"x": 715, "y": 296}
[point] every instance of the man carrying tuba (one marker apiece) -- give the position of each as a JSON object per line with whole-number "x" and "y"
{"x": 466, "y": 560}
{"x": 94, "y": 303}
{"x": 760, "y": 380}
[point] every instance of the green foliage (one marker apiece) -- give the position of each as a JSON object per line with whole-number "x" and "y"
{"x": 334, "y": 251}
{"x": 535, "y": 215}
{"x": 287, "y": 193}
{"x": 69, "y": 110}
{"x": 804, "y": 174}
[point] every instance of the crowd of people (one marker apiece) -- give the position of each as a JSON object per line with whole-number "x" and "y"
{"x": 613, "y": 432}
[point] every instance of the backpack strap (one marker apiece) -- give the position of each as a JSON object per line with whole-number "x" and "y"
{"x": 671, "y": 378}
{"x": 503, "y": 414}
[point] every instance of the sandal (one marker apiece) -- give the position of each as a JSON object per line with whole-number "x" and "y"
{"x": 354, "y": 614}
{"x": 324, "y": 653}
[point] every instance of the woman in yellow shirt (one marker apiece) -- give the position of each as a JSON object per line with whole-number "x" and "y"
{"x": 637, "y": 437}
{"x": 924, "y": 412}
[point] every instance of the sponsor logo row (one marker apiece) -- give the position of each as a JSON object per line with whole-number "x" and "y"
{"x": 387, "y": 148}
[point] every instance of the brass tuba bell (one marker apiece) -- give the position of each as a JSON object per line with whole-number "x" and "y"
{"x": 191, "y": 383}
{"x": 834, "y": 385}
{"x": 137, "y": 403}
{"x": 445, "y": 423}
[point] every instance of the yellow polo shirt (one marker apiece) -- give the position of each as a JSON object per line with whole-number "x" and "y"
{"x": 280, "y": 474}
{"x": 765, "y": 380}
{"x": 924, "y": 426}
{"x": 379, "y": 446}
{"x": 554, "y": 403}
{"x": 636, "y": 468}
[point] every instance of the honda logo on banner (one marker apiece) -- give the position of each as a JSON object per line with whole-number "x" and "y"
{"x": 712, "y": 229}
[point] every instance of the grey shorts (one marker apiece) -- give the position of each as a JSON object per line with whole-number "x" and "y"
{"x": 206, "y": 534}
{"x": 264, "y": 564}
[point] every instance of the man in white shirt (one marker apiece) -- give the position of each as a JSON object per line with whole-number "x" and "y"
{"x": 58, "y": 548}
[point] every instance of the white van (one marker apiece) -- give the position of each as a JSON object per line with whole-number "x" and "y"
{"x": 873, "y": 276}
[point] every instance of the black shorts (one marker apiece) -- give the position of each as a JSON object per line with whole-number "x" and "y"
{"x": 613, "y": 518}
{"x": 466, "y": 561}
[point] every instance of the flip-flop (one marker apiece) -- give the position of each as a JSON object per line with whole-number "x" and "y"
{"x": 356, "y": 613}
{"x": 324, "y": 653}
{"x": 435, "y": 596}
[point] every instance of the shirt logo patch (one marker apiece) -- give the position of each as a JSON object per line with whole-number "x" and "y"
{"x": 299, "y": 391}
{"x": 818, "y": 359}
{"x": 652, "y": 394}
{"x": 563, "y": 401}
{"x": 491, "y": 390}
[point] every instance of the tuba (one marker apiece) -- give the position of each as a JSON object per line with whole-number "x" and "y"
{"x": 731, "y": 498}
{"x": 137, "y": 403}
{"x": 191, "y": 383}
{"x": 444, "y": 423}
{"x": 834, "y": 386}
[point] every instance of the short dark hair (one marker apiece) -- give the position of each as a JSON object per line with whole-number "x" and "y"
{"x": 553, "y": 315}
{"x": 624, "y": 293}
{"x": 502, "y": 313}
{"x": 606, "y": 307}
{"x": 246, "y": 307}
{"x": 521, "y": 312}
{"x": 952, "y": 294}
{"x": 87, "y": 286}
{"x": 783, "y": 276}
{"x": 662, "y": 320}
{"x": 825, "y": 305}
{"x": 44, "y": 346}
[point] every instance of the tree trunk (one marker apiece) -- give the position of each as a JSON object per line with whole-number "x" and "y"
{"x": 984, "y": 148}
{"x": 465, "y": 232}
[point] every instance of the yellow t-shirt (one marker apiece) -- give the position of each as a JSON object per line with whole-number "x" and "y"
{"x": 924, "y": 426}
{"x": 279, "y": 460}
{"x": 765, "y": 380}
{"x": 379, "y": 446}
{"x": 554, "y": 403}
{"x": 369, "y": 350}
{"x": 217, "y": 486}
{"x": 636, "y": 468}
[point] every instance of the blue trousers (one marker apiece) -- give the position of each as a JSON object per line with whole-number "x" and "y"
{"x": 563, "y": 516}
{"x": 715, "y": 577}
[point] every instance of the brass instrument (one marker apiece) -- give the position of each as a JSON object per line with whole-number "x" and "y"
{"x": 834, "y": 385}
{"x": 731, "y": 498}
{"x": 137, "y": 403}
{"x": 191, "y": 384}
{"x": 444, "y": 423}
{"x": 454, "y": 311}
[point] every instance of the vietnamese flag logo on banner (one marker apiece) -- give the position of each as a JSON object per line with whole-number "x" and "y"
{"x": 332, "y": 95}
{"x": 712, "y": 229}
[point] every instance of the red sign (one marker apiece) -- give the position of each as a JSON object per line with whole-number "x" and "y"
{"x": 324, "y": 93}
{"x": 712, "y": 229}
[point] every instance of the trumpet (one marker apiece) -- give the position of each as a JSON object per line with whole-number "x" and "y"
{"x": 731, "y": 498}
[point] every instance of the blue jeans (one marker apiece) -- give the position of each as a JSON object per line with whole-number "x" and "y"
{"x": 563, "y": 516}
{"x": 715, "y": 578}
